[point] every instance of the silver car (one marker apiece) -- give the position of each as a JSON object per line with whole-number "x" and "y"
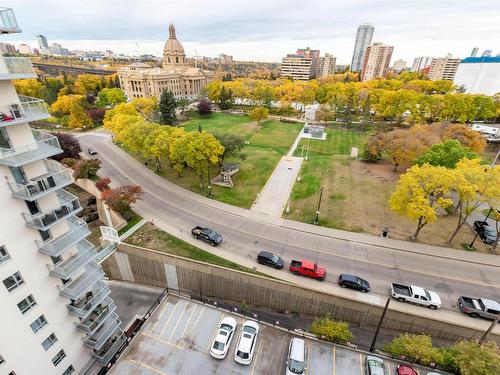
{"x": 374, "y": 366}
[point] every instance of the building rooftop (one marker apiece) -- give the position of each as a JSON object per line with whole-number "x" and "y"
{"x": 485, "y": 59}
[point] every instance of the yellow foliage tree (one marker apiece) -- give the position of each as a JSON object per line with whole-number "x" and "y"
{"x": 29, "y": 87}
{"x": 466, "y": 136}
{"x": 421, "y": 192}
{"x": 78, "y": 118}
{"x": 258, "y": 114}
{"x": 88, "y": 83}
{"x": 65, "y": 103}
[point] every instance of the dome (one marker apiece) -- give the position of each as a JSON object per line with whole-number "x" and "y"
{"x": 173, "y": 45}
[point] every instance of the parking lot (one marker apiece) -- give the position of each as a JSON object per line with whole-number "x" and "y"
{"x": 177, "y": 339}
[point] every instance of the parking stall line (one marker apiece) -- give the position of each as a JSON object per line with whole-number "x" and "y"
{"x": 159, "y": 317}
{"x": 334, "y": 351}
{"x": 178, "y": 321}
{"x": 360, "y": 364}
{"x": 214, "y": 334}
{"x": 162, "y": 341}
{"x": 148, "y": 367}
{"x": 197, "y": 320}
{"x": 389, "y": 365}
{"x": 256, "y": 356}
{"x": 187, "y": 324}
{"x": 168, "y": 320}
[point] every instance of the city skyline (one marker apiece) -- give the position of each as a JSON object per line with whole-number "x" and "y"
{"x": 251, "y": 34}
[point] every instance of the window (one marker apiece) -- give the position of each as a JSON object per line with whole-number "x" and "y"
{"x": 49, "y": 341}
{"x": 12, "y": 282}
{"x": 4, "y": 255}
{"x": 26, "y": 303}
{"x": 38, "y": 324}
{"x": 59, "y": 357}
{"x": 45, "y": 234}
{"x": 69, "y": 370}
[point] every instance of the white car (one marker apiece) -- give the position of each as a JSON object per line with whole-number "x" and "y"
{"x": 248, "y": 341}
{"x": 223, "y": 339}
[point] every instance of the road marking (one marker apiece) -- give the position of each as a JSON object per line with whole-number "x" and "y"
{"x": 178, "y": 321}
{"x": 255, "y": 359}
{"x": 334, "y": 350}
{"x": 163, "y": 341}
{"x": 360, "y": 364}
{"x": 168, "y": 320}
{"x": 197, "y": 320}
{"x": 159, "y": 317}
{"x": 147, "y": 366}
{"x": 189, "y": 320}
{"x": 389, "y": 365}
{"x": 213, "y": 335}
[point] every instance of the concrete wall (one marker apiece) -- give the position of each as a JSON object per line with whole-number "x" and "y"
{"x": 149, "y": 267}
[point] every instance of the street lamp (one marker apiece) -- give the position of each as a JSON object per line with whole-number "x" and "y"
{"x": 316, "y": 220}
{"x": 471, "y": 245}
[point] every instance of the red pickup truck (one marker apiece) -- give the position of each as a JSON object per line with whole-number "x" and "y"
{"x": 307, "y": 268}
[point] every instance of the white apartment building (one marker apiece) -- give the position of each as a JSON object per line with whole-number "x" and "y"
{"x": 377, "y": 59}
{"x": 479, "y": 75}
{"x": 296, "y": 67}
{"x": 364, "y": 37}
{"x": 326, "y": 65}
{"x": 57, "y": 316}
{"x": 443, "y": 68}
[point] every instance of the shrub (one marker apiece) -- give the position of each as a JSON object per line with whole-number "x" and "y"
{"x": 96, "y": 115}
{"x": 204, "y": 107}
{"x": 86, "y": 168}
{"x": 414, "y": 346}
{"x": 70, "y": 146}
{"x": 325, "y": 327}
{"x": 121, "y": 198}
{"x": 473, "y": 358}
{"x": 69, "y": 162}
{"x": 103, "y": 183}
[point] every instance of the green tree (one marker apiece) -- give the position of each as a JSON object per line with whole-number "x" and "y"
{"x": 86, "y": 168}
{"x": 325, "y": 327}
{"x": 414, "y": 346}
{"x": 258, "y": 114}
{"x": 325, "y": 113}
{"x": 473, "y": 358}
{"x": 167, "y": 108}
{"x": 88, "y": 83}
{"x": 157, "y": 144}
{"x": 110, "y": 97}
{"x": 78, "y": 118}
{"x": 233, "y": 144}
{"x": 225, "y": 98}
{"x": 446, "y": 154}
{"x": 202, "y": 149}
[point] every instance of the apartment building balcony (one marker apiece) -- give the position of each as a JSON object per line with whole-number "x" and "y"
{"x": 57, "y": 246}
{"x": 110, "y": 348}
{"x": 76, "y": 288}
{"x": 69, "y": 205}
{"x": 97, "y": 317}
{"x": 28, "y": 109}
{"x": 102, "y": 252}
{"x": 44, "y": 146}
{"x": 86, "y": 304}
{"x": 67, "y": 268}
{"x": 110, "y": 325}
{"x": 56, "y": 177}
{"x": 16, "y": 68}
{"x": 8, "y": 22}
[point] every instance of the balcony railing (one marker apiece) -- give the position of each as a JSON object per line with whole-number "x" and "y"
{"x": 16, "y": 68}
{"x": 69, "y": 205}
{"x": 104, "y": 251}
{"x": 57, "y": 246}
{"x": 67, "y": 269}
{"x": 110, "y": 325}
{"x": 45, "y": 145}
{"x": 110, "y": 348}
{"x": 84, "y": 306}
{"x": 8, "y": 22}
{"x": 28, "y": 109}
{"x": 96, "y": 319}
{"x": 74, "y": 289}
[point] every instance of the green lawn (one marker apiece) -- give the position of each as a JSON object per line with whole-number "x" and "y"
{"x": 338, "y": 142}
{"x": 221, "y": 123}
{"x": 135, "y": 218}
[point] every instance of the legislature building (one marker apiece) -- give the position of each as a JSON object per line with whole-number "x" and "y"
{"x": 140, "y": 80}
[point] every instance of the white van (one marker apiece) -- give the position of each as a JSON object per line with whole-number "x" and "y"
{"x": 296, "y": 359}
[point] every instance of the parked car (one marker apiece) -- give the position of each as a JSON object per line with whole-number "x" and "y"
{"x": 270, "y": 259}
{"x": 92, "y": 151}
{"x": 374, "y": 365}
{"x": 296, "y": 358}
{"x": 207, "y": 235}
{"x": 248, "y": 341}
{"x": 487, "y": 234}
{"x": 434, "y": 373}
{"x": 354, "y": 282}
{"x": 223, "y": 339}
{"x": 479, "y": 307}
{"x": 406, "y": 370}
{"x": 415, "y": 294}
{"x": 307, "y": 268}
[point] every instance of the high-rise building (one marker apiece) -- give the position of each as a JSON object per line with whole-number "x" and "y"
{"x": 364, "y": 37}
{"x": 479, "y": 75}
{"x": 326, "y": 65}
{"x": 7, "y": 48}
{"x": 487, "y": 53}
{"x": 57, "y": 316}
{"x": 399, "y": 66}
{"x": 56, "y": 49}
{"x": 42, "y": 42}
{"x": 225, "y": 59}
{"x": 377, "y": 60}
{"x": 474, "y": 52}
{"x": 443, "y": 68}
{"x": 420, "y": 63}
{"x": 24, "y": 48}
{"x": 300, "y": 66}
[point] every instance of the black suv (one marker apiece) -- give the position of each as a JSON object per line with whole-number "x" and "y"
{"x": 207, "y": 235}
{"x": 354, "y": 282}
{"x": 269, "y": 259}
{"x": 488, "y": 235}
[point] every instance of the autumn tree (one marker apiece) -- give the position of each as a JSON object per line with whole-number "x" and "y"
{"x": 204, "y": 107}
{"x": 122, "y": 198}
{"x": 233, "y": 144}
{"x": 466, "y": 136}
{"x": 328, "y": 329}
{"x": 86, "y": 168}
{"x": 157, "y": 144}
{"x": 258, "y": 114}
{"x": 446, "y": 154}
{"x": 421, "y": 192}
{"x": 110, "y": 97}
{"x": 96, "y": 115}
{"x": 103, "y": 183}
{"x": 69, "y": 145}
{"x": 473, "y": 358}
{"x": 29, "y": 87}
{"x": 225, "y": 98}
{"x": 88, "y": 83}
{"x": 202, "y": 150}
{"x": 78, "y": 118}
{"x": 166, "y": 108}
{"x": 325, "y": 114}
{"x": 64, "y": 103}
{"x": 415, "y": 346}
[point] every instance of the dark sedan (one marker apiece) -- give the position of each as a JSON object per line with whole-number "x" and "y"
{"x": 354, "y": 282}
{"x": 487, "y": 234}
{"x": 269, "y": 259}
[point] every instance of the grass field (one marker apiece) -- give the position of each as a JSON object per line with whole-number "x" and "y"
{"x": 267, "y": 143}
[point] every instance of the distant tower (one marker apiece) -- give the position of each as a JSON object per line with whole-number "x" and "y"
{"x": 42, "y": 42}
{"x": 174, "y": 57}
{"x": 487, "y": 53}
{"x": 474, "y": 52}
{"x": 364, "y": 37}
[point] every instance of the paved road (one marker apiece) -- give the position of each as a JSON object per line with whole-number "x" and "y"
{"x": 381, "y": 261}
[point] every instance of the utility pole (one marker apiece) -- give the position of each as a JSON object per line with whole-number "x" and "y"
{"x": 471, "y": 245}
{"x": 372, "y": 346}
{"x": 493, "y": 324}
{"x": 319, "y": 205}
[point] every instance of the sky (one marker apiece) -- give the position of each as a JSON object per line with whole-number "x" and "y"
{"x": 261, "y": 30}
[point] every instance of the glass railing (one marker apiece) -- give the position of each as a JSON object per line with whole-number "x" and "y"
{"x": 70, "y": 266}
{"x": 98, "y": 316}
{"x": 104, "y": 251}
{"x": 45, "y": 145}
{"x": 57, "y": 246}
{"x": 28, "y": 109}
{"x": 86, "y": 304}
{"x": 16, "y": 68}
{"x": 69, "y": 205}
{"x": 98, "y": 339}
{"x": 74, "y": 289}
{"x": 8, "y": 22}
{"x": 110, "y": 348}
